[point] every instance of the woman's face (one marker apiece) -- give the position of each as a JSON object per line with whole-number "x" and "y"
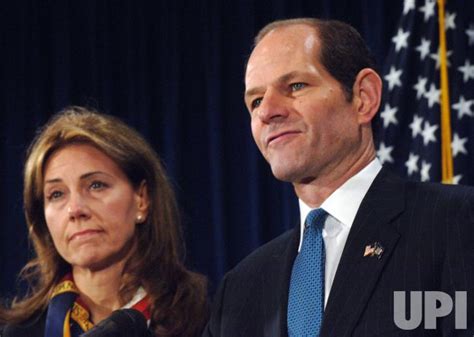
{"x": 91, "y": 208}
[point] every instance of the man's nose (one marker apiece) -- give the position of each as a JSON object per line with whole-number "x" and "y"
{"x": 77, "y": 207}
{"x": 274, "y": 106}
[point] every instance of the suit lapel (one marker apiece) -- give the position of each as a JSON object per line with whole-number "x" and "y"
{"x": 357, "y": 275}
{"x": 275, "y": 298}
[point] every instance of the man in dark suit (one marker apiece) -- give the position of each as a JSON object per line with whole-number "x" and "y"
{"x": 312, "y": 93}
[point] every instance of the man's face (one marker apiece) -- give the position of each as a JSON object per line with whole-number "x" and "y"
{"x": 301, "y": 121}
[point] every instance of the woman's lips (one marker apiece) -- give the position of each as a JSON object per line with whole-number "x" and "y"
{"x": 84, "y": 234}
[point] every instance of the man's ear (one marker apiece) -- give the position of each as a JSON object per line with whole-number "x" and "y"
{"x": 367, "y": 93}
{"x": 143, "y": 202}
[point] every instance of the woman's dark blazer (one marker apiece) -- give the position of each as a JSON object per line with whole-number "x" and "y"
{"x": 34, "y": 327}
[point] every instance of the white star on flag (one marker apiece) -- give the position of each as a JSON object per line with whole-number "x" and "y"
{"x": 388, "y": 115}
{"x": 436, "y": 57}
{"x": 428, "y": 9}
{"x": 408, "y": 5}
{"x": 412, "y": 163}
{"x": 424, "y": 48}
{"x": 420, "y": 87}
{"x": 449, "y": 21}
{"x": 428, "y": 133}
{"x": 467, "y": 70}
{"x": 401, "y": 40}
{"x": 384, "y": 153}
{"x": 425, "y": 171}
{"x": 470, "y": 34}
{"x": 463, "y": 107}
{"x": 456, "y": 179}
{"x": 432, "y": 95}
{"x": 415, "y": 126}
{"x": 393, "y": 78}
{"x": 458, "y": 145}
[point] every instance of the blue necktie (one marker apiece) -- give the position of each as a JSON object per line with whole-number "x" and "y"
{"x": 306, "y": 298}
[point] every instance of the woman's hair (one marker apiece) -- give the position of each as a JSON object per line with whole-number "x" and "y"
{"x": 178, "y": 296}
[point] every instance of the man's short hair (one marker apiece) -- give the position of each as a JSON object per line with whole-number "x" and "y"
{"x": 343, "y": 51}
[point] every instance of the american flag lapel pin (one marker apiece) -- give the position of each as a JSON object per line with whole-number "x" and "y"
{"x": 374, "y": 249}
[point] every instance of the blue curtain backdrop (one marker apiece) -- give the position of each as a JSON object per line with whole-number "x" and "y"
{"x": 173, "y": 70}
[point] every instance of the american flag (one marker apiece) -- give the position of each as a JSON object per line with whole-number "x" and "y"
{"x": 410, "y": 135}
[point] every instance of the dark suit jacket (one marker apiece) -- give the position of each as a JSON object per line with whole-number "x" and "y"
{"x": 427, "y": 232}
{"x": 34, "y": 327}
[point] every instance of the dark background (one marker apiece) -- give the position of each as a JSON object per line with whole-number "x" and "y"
{"x": 173, "y": 70}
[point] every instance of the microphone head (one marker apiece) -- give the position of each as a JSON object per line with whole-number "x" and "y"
{"x": 121, "y": 323}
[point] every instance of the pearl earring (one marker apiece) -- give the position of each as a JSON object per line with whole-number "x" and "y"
{"x": 139, "y": 218}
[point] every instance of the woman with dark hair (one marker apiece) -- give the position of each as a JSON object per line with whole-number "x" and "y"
{"x": 104, "y": 224}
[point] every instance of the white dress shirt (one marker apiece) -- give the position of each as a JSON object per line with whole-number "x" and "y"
{"x": 342, "y": 206}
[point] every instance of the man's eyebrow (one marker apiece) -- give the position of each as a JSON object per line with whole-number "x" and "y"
{"x": 253, "y": 91}
{"x": 282, "y": 79}
{"x": 289, "y": 76}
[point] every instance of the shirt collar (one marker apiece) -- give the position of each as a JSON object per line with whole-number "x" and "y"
{"x": 139, "y": 295}
{"x": 344, "y": 202}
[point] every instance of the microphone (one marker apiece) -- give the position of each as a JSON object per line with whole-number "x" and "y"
{"x": 121, "y": 323}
